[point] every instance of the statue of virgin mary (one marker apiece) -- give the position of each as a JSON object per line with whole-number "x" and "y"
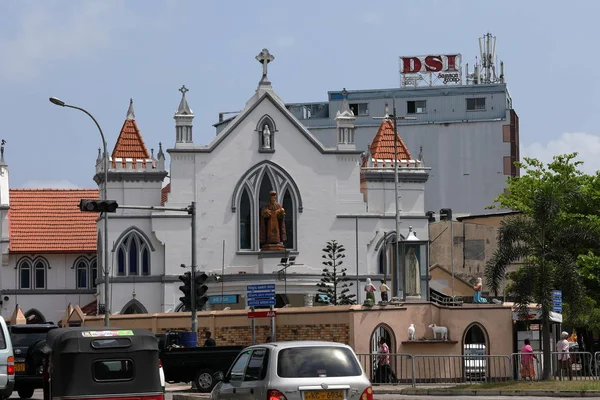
{"x": 412, "y": 274}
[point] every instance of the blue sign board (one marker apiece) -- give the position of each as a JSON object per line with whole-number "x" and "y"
{"x": 226, "y": 299}
{"x": 261, "y": 302}
{"x": 261, "y": 295}
{"x": 252, "y": 288}
{"x": 557, "y": 294}
{"x": 557, "y": 301}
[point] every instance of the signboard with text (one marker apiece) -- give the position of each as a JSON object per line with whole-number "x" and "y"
{"x": 262, "y": 314}
{"x": 429, "y": 70}
{"x": 557, "y": 301}
{"x": 261, "y": 295}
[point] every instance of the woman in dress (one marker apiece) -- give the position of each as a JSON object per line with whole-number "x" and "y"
{"x": 527, "y": 357}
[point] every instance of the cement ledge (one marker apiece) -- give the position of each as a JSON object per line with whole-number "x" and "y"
{"x": 522, "y": 393}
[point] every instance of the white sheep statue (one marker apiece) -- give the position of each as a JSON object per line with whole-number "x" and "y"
{"x": 411, "y": 332}
{"x": 442, "y": 331}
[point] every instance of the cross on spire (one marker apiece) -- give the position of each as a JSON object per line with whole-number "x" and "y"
{"x": 264, "y": 57}
{"x": 184, "y": 90}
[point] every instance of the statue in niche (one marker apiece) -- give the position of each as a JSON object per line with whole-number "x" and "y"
{"x": 266, "y": 137}
{"x": 272, "y": 225}
{"x": 412, "y": 273}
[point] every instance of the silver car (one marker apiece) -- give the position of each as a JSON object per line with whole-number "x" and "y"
{"x": 294, "y": 371}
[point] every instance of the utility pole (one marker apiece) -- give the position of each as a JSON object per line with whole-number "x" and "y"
{"x": 192, "y": 212}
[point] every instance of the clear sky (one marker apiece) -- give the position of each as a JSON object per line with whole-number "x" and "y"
{"x": 98, "y": 54}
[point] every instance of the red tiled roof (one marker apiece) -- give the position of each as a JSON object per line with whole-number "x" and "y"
{"x": 90, "y": 309}
{"x": 130, "y": 143}
{"x": 382, "y": 147}
{"x": 164, "y": 194}
{"x": 49, "y": 221}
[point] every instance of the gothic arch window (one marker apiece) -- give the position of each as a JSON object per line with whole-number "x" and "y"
{"x": 134, "y": 307}
{"x": 266, "y": 134}
{"x": 252, "y": 193}
{"x": 475, "y": 339}
{"x": 86, "y": 273}
{"x": 133, "y": 253}
{"x": 32, "y": 273}
{"x": 386, "y": 255}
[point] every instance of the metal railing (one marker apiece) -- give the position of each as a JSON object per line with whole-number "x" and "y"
{"x": 575, "y": 365}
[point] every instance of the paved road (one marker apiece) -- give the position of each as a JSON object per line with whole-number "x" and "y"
{"x": 169, "y": 396}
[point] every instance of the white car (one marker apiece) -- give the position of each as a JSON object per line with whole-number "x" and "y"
{"x": 294, "y": 371}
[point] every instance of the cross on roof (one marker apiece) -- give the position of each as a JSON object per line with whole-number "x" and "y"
{"x": 184, "y": 90}
{"x": 264, "y": 57}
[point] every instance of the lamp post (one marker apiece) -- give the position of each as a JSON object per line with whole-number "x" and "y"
{"x": 394, "y": 117}
{"x": 61, "y": 103}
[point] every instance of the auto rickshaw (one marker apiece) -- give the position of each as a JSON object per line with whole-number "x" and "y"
{"x": 101, "y": 363}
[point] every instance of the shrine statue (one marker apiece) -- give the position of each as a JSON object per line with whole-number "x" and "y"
{"x": 412, "y": 274}
{"x": 477, "y": 295}
{"x": 370, "y": 289}
{"x": 266, "y": 134}
{"x": 272, "y": 225}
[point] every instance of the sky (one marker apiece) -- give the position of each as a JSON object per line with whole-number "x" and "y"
{"x": 99, "y": 54}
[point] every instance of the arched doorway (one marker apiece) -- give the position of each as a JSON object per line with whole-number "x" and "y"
{"x": 475, "y": 348}
{"x": 370, "y": 364}
{"x": 33, "y": 316}
{"x": 134, "y": 307}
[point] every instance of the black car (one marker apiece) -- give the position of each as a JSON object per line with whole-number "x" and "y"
{"x": 28, "y": 341}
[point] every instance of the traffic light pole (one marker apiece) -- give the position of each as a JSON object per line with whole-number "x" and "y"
{"x": 191, "y": 210}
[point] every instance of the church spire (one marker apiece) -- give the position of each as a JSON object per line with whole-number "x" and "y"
{"x": 345, "y": 125}
{"x": 183, "y": 120}
{"x": 130, "y": 112}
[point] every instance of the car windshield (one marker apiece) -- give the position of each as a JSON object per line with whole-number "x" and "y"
{"x": 314, "y": 362}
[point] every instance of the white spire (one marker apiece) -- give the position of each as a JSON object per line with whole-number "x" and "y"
{"x": 184, "y": 108}
{"x": 345, "y": 113}
{"x": 130, "y": 112}
{"x": 183, "y": 121}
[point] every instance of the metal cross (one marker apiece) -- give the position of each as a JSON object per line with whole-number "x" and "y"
{"x": 264, "y": 57}
{"x": 183, "y": 90}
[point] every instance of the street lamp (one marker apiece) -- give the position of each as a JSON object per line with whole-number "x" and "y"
{"x": 61, "y": 103}
{"x": 394, "y": 117}
{"x": 286, "y": 262}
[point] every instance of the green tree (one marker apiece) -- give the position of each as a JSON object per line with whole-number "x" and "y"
{"x": 556, "y": 225}
{"x": 334, "y": 282}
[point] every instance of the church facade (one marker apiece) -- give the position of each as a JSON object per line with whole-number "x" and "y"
{"x": 264, "y": 189}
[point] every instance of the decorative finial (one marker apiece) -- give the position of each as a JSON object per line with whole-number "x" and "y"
{"x": 184, "y": 108}
{"x": 151, "y": 153}
{"x": 264, "y": 57}
{"x": 421, "y": 154}
{"x": 160, "y": 151}
{"x": 130, "y": 112}
{"x": 184, "y": 90}
{"x": 345, "y": 93}
{"x": 2, "y": 150}
{"x": 387, "y": 111}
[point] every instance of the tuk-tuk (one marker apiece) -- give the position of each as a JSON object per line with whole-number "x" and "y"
{"x": 101, "y": 363}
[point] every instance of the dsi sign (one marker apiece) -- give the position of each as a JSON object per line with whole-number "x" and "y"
{"x": 431, "y": 69}
{"x": 226, "y": 299}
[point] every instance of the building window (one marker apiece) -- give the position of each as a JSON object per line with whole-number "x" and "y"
{"x": 386, "y": 255}
{"x": 32, "y": 274}
{"x": 360, "y": 109}
{"x": 346, "y": 135}
{"x": 86, "y": 273}
{"x": 476, "y": 104}
{"x": 94, "y": 270}
{"x": 82, "y": 275}
{"x": 133, "y": 255}
{"x": 416, "y": 107}
{"x": 252, "y": 194}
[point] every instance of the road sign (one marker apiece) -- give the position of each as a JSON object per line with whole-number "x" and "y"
{"x": 557, "y": 294}
{"x": 262, "y": 314}
{"x": 261, "y": 295}
{"x": 253, "y": 288}
{"x": 557, "y": 301}
{"x": 225, "y": 299}
{"x": 261, "y": 302}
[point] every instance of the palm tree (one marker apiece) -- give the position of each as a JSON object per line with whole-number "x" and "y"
{"x": 548, "y": 240}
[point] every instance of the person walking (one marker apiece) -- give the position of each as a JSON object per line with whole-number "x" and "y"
{"x": 385, "y": 372}
{"x": 564, "y": 358}
{"x": 527, "y": 357}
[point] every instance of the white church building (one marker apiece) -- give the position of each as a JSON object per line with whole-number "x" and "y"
{"x": 328, "y": 193}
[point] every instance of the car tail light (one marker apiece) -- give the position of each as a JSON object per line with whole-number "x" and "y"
{"x": 367, "y": 394}
{"x": 273, "y": 394}
{"x": 10, "y": 365}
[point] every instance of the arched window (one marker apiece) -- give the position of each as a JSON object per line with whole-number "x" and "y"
{"x": 252, "y": 193}
{"x": 387, "y": 254}
{"x": 134, "y": 307}
{"x": 32, "y": 274}
{"x": 94, "y": 273}
{"x": 82, "y": 274}
{"x": 133, "y": 255}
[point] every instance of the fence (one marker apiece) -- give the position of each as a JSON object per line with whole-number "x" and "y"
{"x": 408, "y": 369}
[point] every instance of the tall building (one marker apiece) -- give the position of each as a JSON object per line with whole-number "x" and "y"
{"x": 462, "y": 124}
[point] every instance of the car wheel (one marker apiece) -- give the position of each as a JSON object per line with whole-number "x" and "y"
{"x": 204, "y": 381}
{"x": 26, "y": 393}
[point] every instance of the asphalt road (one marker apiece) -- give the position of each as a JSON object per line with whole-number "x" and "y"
{"x": 169, "y": 396}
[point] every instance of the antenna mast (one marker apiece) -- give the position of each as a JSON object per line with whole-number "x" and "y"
{"x": 485, "y": 68}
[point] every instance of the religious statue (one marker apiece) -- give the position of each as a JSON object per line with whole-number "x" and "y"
{"x": 412, "y": 274}
{"x": 272, "y": 225}
{"x": 370, "y": 289}
{"x": 477, "y": 295}
{"x": 384, "y": 289}
{"x": 266, "y": 137}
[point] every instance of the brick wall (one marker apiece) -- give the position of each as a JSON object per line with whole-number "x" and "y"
{"x": 242, "y": 335}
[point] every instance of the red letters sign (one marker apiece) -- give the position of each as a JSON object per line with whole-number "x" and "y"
{"x": 437, "y": 63}
{"x": 262, "y": 314}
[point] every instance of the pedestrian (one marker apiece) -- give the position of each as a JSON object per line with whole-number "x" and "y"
{"x": 386, "y": 375}
{"x": 564, "y": 358}
{"x": 269, "y": 339}
{"x": 209, "y": 342}
{"x": 527, "y": 357}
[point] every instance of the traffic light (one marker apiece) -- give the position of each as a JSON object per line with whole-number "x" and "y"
{"x": 186, "y": 289}
{"x": 98, "y": 206}
{"x": 200, "y": 290}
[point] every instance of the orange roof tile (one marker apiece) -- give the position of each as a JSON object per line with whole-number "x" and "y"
{"x": 382, "y": 147}
{"x": 49, "y": 221}
{"x": 130, "y": 143}
{"x": 164, "y": 194}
